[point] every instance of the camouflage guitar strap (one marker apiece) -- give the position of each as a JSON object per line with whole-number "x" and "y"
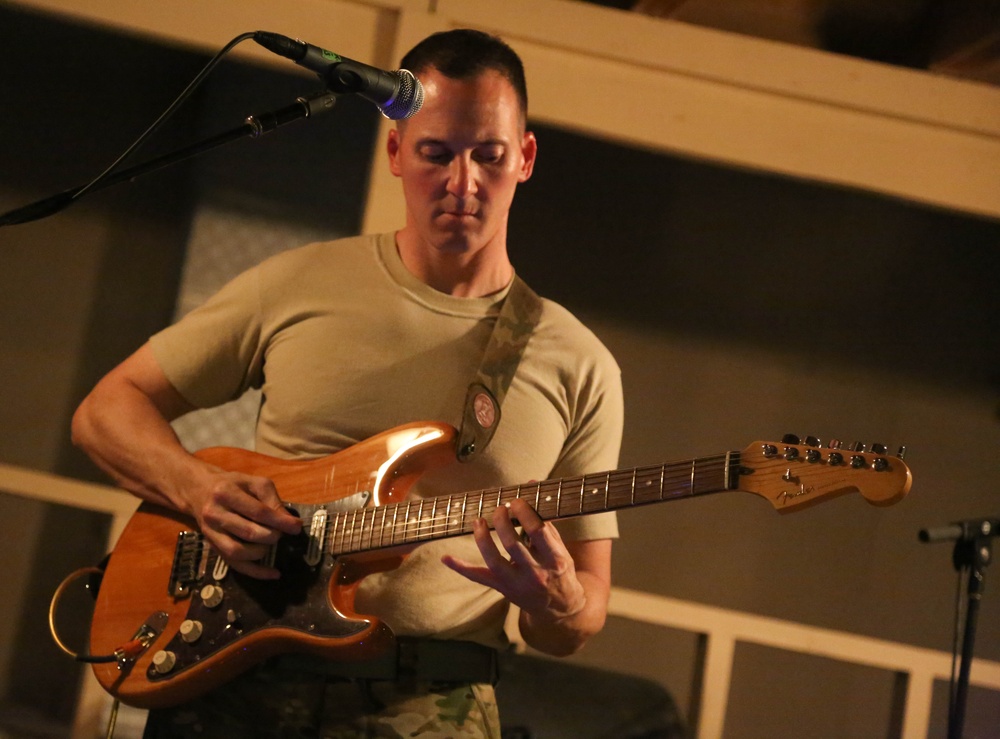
{"x": 515, "y": 324}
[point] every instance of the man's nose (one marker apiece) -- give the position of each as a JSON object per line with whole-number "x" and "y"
{"x": 462, "y": 177}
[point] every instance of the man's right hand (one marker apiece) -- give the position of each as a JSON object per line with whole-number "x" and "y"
{"x": 124, "y": 425}
{"x": 241, "y": 516}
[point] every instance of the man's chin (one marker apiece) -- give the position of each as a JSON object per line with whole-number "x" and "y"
{"x": 456, "y": 239}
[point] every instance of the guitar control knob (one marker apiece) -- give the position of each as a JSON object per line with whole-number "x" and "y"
{"x": 164, "y": 661}
{"x": 190, "y": 630}
{"x": 211, "y": 595}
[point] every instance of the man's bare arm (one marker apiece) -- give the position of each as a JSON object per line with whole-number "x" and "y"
{"x": 124, "y": 426}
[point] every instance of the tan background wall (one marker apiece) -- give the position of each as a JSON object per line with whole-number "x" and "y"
{"x": 771, "y": 240}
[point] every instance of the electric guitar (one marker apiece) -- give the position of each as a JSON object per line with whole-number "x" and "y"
{"x": 180, "y": 622}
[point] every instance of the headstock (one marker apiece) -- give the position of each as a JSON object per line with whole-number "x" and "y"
{"x": 794, "y": 475}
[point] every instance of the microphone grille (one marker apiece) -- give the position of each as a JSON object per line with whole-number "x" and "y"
{"x": 408, "y": 99}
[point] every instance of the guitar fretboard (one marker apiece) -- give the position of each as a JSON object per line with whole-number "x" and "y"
{"x": 425, "y": 519}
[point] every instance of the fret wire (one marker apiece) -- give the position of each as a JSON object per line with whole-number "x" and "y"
{"x": 330, "y": 534}
{"x": 407, "y": 528}
{"x": 363, "y": 529}
{"x": 406, "y": 522}
{"x": 354, "y": 542}
{"x": 695, "y": 477}
{"x": 395, "y": 522}
{"x": 343, "y": 531}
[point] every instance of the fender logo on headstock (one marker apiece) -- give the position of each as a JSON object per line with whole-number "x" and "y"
{"x": 793, "y": 475}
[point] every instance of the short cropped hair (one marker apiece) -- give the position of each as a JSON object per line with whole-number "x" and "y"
{"x": 464, "y": 53}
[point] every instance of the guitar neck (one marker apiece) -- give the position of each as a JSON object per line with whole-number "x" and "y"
{"x": 422, "y": 520}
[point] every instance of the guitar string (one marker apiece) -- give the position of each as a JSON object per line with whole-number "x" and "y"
{"x": 619, "y": 488}
{"x": 365, "y": 528}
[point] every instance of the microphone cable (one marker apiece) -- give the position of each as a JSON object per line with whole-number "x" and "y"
{"x": 184, "y": 95}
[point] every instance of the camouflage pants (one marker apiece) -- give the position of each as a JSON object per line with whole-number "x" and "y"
{"x": 257, "y": 705}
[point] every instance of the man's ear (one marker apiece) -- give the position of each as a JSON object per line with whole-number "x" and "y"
{"x": 392, "y": 145}
{"x": 529, "y": 148}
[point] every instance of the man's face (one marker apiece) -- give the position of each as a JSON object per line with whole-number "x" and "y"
{"x": 460, "y": 159}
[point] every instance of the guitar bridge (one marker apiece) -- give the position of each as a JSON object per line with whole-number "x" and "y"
{"x": 189, "y": 563}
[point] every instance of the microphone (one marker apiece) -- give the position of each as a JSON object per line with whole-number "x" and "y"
{"x": 396, "y": 94}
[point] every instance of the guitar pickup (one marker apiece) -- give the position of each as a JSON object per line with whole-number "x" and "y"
{"x": 317, "y": 538}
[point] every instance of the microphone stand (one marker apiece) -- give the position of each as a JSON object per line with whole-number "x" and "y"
{"x": 255, "y": 126}
{"x": 973, "y": 552}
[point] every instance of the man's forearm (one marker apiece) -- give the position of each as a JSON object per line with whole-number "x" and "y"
{"x": 561, "y": 636}
{"x": 126, "y": 435}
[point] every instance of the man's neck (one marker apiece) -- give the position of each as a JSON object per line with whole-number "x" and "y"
{"x": 457, "y": 273}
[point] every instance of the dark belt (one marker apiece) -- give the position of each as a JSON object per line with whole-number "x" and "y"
{"x": 411, "y": 660}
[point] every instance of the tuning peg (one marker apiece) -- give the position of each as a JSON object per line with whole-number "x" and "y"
{"x": 789, "y": 439}
{"x": 878, "y": 448}
{"x": 813, "y": 441}
{"x": 834, "y": 444}
{"x": 858, "y": 446}
{"x": 902, "y": 452}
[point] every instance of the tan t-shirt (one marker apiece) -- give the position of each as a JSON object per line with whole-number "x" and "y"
{"x": 344, "y": 343}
